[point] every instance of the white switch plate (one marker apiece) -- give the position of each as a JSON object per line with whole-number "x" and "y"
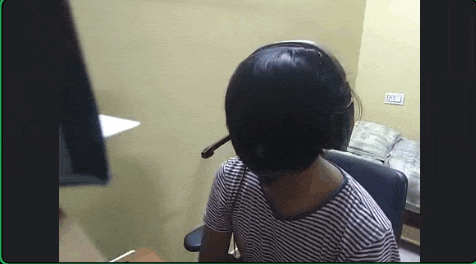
{"x": 394, "y": 98}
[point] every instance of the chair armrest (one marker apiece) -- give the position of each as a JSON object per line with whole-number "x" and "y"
{"x": 193, "y": 240}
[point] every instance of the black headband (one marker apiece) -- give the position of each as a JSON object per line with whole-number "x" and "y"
{"x": 298, "y": 44}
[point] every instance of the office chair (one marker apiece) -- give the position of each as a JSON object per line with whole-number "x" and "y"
{"x": 387, "y": 186}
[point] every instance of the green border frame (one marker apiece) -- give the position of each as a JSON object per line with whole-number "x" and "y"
{"x": 1, "y": 146}
{"x": 1, "y": 137}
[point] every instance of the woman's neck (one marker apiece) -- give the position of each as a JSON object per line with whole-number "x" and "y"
{"x": 306, "y": 188}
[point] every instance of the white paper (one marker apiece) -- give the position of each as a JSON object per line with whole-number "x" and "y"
{"x": 114, "y": 125}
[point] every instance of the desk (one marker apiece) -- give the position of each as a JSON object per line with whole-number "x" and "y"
{"x": 141, "y": 255}
{"x": 74, "y": 244}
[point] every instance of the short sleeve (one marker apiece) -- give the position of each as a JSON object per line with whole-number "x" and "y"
{"x": 218, "y": 214}
{"x": 384, "y": 249}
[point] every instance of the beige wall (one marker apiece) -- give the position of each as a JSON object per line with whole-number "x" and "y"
{"x": 390, "y": 62}
{"x": 167, "y": 65}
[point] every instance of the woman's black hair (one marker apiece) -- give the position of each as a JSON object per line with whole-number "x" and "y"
{"x": 284, "y": 104}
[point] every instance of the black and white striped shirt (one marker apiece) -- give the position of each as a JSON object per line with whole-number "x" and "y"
{"x": 348, "y": 227}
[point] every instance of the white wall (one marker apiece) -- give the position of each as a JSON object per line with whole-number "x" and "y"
{"x": 167, "y": 64}
{"x": 390, "y": 62}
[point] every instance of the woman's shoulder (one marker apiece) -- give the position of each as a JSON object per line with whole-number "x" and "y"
{"x": 364, "y": 207}
{"x": 232, "y": 165}
{"x": 232, "y": 169}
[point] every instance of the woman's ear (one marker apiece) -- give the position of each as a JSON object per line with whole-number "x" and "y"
{"x": 337, "y": 132}
{"x": 342, "y": 125}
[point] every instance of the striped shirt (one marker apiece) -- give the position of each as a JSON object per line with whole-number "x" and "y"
{"x": 348, "y": 226}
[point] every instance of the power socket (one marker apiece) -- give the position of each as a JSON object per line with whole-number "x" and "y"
{"x": 394, "y": 98}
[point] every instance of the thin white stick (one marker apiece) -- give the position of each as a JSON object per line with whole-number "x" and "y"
{"x": 123, "y": 255}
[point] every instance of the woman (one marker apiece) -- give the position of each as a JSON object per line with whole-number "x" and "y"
{"x": 281, "y": 199}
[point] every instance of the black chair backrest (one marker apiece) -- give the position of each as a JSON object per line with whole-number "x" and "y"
{"x": 387, "y": 186}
